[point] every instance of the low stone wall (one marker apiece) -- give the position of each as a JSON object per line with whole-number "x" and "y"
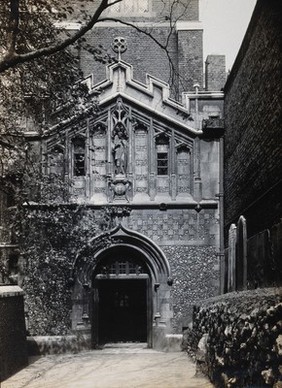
{"x": 236, "y": 338}
{"x": 58, "y": 344}
{"x": 13, "y": 350}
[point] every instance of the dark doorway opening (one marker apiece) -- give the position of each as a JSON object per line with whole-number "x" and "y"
{"x": 122, "y": 311}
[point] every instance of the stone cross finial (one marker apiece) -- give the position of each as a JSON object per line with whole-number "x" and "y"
{"x": 119, "y": 46}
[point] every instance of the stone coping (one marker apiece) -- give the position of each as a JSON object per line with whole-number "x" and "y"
{"x": 8, "y": 291}
{"x": 46, "y": 338}
{"x": 257, "y": 293}
{"x": 165, "y": 201}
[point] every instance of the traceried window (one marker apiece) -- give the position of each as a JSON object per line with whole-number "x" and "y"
{"x": 78, "y": 157}
{"x": 122, "y": 267}
{"x": 162, "y": 161}
{"x": 162, "y": 148}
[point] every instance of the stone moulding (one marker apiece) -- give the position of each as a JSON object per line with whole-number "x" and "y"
{"x": 120, "y": 236}
{"x": 120, "y": 82}
{"x": 8, "y": 291}
{"x": 128, "y": 244}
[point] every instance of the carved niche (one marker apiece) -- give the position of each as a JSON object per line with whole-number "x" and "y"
{"x": 98, "y": 157}
{"x": 119, "y": 183}
{"x": 120, "y": 138}
{"x": 183, "y": 157}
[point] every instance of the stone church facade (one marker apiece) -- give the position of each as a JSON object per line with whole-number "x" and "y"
{"x": 154, "y": 163}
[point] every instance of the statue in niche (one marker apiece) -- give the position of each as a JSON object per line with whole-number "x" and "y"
{"x": 120, "y": 149}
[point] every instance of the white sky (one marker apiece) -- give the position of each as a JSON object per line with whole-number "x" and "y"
{"x": 225, "y": 23}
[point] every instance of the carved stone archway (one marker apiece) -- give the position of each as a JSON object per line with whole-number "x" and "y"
{"x": 142, "y": 250}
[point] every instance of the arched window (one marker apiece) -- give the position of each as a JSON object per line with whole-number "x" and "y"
{"x": 162, "y": 151}
{"x": 79, "y": 157}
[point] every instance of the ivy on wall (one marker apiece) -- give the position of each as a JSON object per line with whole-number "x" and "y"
{"x": 51, "y": 238}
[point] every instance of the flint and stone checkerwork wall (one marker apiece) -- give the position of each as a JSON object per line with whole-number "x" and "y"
{"x": 176, "y": 226}
{"x": 189, "y": 240}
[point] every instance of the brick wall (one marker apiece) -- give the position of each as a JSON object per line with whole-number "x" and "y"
{"x": 264, "y": 252}
{"x": 157, "y": 10}
{"x": 190, "y": 57}
{"x": 13, "y": 351}
{"x": 215, "y": 72}
{"x": 145, "y": 55}
{"x": 186, "y": 10}
{"x": 253, "y": 153}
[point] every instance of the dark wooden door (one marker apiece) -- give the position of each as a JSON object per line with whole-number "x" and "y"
{"x": 122, "y": 311}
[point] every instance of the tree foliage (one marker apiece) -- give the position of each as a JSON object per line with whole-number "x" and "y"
{"x": 32, "y": 41}
{"x": 38, "y": 75}
{"x": 28, "y": 31}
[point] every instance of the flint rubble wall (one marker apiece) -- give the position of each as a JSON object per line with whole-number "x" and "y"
{"x": 236, "y": 338}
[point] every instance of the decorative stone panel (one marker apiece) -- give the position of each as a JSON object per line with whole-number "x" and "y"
{"x": 141, "y": 167}
{"x": 176, "y": 226}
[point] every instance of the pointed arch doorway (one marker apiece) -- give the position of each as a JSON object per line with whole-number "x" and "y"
{"x": 122, "y": 297}
{"x": 121, "y": 291}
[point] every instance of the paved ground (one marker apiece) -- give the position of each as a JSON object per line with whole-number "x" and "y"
{"x": 111, "y": 367}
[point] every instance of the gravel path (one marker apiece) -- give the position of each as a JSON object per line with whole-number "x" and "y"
{"x": 111, "y": 367}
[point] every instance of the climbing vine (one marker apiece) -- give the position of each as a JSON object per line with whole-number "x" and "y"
{"x": 51, "y": 238}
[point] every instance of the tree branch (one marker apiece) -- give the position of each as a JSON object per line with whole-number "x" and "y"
{"x": 10, "y": 146}
{"x": 164, "y": 47}
{"x": 149, "y": 34}
{"x": 11, "y": 59}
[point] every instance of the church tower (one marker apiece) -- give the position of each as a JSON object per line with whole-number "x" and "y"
{"x": 175, "y": 54}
